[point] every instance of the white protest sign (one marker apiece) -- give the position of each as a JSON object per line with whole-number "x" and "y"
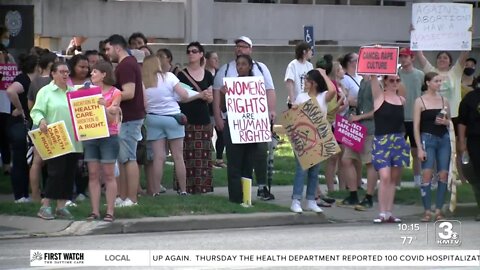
{"x": 441, "y": 26}
{"x": 247, "y": 108}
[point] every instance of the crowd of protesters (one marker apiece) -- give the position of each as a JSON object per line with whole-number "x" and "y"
{"x": 180, "y": 108}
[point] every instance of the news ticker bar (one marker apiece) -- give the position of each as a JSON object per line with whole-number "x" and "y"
{"x": 254, "y": 258}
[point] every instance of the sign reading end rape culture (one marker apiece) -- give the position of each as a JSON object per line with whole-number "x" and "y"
{"x": 373, "y": 60}
{"x": 88, "y": 116}
{"x": 441, "y": 26}
{"x": 247, "y": 108}
{"x": 54, "y": 143}
{"x": 310, "y": 134}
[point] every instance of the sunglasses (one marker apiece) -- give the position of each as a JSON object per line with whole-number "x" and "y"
{"x": 394, "y": 80}
{"x": 192, "y": 51}
{"x": 63, "y": 72}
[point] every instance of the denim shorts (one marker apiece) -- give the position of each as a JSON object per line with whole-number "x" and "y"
{"x": 163, "y": 127}
{"x": 104, "y": 150}
{"x": 390, "y": 150}
{"x": 438, "y": 150}
{"x": 130, "y": 134}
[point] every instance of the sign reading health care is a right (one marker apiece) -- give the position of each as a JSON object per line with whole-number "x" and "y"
{"x": 441, "y": 26}
{"x": 247, "y": 108}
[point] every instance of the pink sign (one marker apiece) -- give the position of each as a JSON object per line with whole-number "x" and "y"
{"x": 350, "y": 134}
{"x": 8, "y": 72}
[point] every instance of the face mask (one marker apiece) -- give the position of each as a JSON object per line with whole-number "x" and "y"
{"x": 6, "y": 42}
{"x": 469, "y": 71}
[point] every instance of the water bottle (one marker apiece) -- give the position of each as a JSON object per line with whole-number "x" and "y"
{"x": 465, "y": 158}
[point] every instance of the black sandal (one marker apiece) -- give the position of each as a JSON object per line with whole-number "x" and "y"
{"x": 93, "y": 217}
{"x": 108, "y": 218}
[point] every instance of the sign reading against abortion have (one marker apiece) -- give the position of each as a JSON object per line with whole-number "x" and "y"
{"x": 441, "y": 26}
{"x": 247, "y": 108}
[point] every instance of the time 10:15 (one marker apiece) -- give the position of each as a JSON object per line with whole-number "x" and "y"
{"x": 408, "y": 227}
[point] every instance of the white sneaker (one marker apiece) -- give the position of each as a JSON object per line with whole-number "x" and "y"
{"x": 23, "y": 200}
{"x": 118, "y": 202}
{"x": 128, "y": 203}
{"x": 312, "y": 206}
{"x": 296, "y": 206}
{"x": 80, "y": 198}
{"x": 69, "y": 203}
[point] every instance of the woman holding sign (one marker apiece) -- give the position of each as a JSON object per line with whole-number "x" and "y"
{"x": 51, "y": 106}
{"x": 101, "y": 154}
{"x": 430, "y": 126}
{"x": 319, "y": 86}
{"x": 390, "y": 151}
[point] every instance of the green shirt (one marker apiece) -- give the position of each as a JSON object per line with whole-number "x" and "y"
{"x": 52, "y": 104}
{"x": 365, "y": 105}
{"x": 413, "y": 85}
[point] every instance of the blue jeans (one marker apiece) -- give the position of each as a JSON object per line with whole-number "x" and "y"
{"x": 298, "y": 181}
{"x": 437, "y": 150}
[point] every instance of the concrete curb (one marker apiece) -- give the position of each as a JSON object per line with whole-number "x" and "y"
{"x": 210, "y": 222}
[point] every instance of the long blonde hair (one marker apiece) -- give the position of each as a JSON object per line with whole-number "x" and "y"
{"x": 335, "y": 67}
{"x": 150, "y": 68}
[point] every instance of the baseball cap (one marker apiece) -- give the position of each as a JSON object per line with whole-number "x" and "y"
{"x": 405, "y": 51}
{"x": 244, "y": 39}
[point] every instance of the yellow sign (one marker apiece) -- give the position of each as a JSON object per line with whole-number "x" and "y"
{"x": 54, "y": 143}
{"x": 89, "y": 118}
{"x": 310, "y": 134}
{"x": 247, "y": 192}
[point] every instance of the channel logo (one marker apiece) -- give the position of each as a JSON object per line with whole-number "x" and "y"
{"x": 448, "y": 233}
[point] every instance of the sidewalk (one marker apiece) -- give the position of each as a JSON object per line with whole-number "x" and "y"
{"x": 20, "y": 227}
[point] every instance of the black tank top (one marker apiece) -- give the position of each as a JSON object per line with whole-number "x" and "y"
{"x": 427, "y": 121}
{"x": 389, "y": 119}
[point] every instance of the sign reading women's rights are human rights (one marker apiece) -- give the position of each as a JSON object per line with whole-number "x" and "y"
{"x": 247, "y": 108}
{"x": 441, "y": 26}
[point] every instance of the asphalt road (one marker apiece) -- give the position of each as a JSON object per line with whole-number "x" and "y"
{"x": 15, "y": 254}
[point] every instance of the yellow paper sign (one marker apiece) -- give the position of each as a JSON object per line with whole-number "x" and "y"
{"x": 54, "y": 143}
{"x": 310, "y": 134}
{"x": 89, "y": 118}
{"x": 247, "y": 191}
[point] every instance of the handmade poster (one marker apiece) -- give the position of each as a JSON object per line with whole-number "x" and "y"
{"x": 88, "y": 116}
{"x": 309, "y": 133}
{"x": 350, "y": 134}
{"x": 441, "y": 27}
{"x": 247, "y": 109}
{"x": 378, "y": 60}
{"x": 56, "y": 142}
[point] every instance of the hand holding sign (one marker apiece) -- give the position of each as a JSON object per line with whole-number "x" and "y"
{"x": 441, "y": 26}
{"x": 378, "y": 60}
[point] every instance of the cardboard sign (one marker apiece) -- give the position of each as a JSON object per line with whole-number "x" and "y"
{"x": 88, "y": 117}
{"x": 8, "y": 73}
{"x": 247, "y": 109}
{"x": 56, "y": 142}
{"x": 441, "y": 27}
{"x": 350, "y": 134}
{"x": 378, "y": 60}
{"x": 310, "y": 134}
